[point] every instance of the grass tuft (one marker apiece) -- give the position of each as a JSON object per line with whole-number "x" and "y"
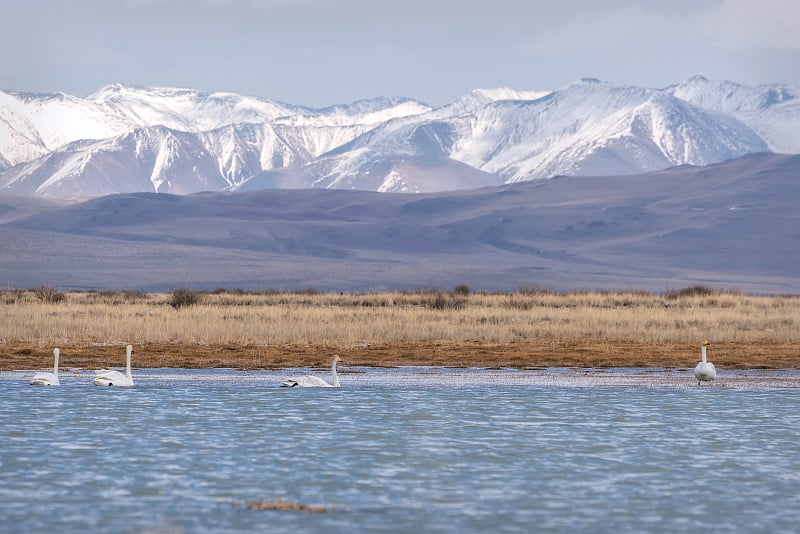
{"x": 285, "y": 506}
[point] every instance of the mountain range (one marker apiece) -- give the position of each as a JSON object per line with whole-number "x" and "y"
{"x": 730, "y": 225}
{"x": 125, "y": 139}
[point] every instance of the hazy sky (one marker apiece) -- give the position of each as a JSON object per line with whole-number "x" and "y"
{"x": 321, "y": 52}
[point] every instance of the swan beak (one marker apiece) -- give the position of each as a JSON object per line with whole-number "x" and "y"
{"x": 705, "y": 342}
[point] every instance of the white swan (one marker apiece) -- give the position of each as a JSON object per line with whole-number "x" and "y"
{"x": 48, "y": 379}
{"x": 309, "y": 381}
{"x": 705, "y": 371}
{"x": 115, "y": 378}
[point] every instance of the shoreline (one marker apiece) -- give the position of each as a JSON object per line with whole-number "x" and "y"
{"x": 524, "y": 355}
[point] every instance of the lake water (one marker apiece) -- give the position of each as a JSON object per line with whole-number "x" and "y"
{"x": 403, "y": 450}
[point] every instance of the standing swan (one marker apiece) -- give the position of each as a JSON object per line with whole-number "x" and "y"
{"x": 48, "y": 379}
{"x": 704, "y": 372}
{"x": 309, "y": 381}
{"x": 115, "y": 378}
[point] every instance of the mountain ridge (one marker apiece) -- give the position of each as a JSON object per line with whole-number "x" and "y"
{"x": 58, "y": 145}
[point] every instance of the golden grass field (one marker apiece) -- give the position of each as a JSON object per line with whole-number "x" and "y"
{"x": 303, "y": 329}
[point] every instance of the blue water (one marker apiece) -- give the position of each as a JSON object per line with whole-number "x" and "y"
{"x": 396, "y": 451}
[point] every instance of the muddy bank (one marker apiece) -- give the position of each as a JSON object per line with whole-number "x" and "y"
{"x": 518, "y": 355}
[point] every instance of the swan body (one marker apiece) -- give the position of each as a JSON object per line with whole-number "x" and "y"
{"x": 48, "y": 379}
{"x": 704, "y": 371}
{"x": 115, "y": 378}
{"x": 309, "y": 381}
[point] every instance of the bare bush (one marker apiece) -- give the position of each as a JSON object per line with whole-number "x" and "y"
{"x": 462, "y": 290}
{"x": 183, "y": 296}
{"x": 49, "y": 294}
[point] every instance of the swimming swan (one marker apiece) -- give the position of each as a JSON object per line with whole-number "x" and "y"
{"x": 115, "y": 378}
{"x": 309, "y": 381}
{"x": 704, "y": 372}
{"x": 48, "y": 379}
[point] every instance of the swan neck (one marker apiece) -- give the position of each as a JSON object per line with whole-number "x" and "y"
{"x": 128, "y": 364}
{"x": 56, "y": 353}
{"x": 703, "y": 353}
{"x": 334, "y": 376}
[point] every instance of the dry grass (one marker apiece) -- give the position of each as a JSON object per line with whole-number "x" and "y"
{"x": 525, "y": 329}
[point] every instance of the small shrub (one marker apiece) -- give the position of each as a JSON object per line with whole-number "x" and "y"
{"x": 461, "y": 289}
{"x": 183, "y": 297}
{"x": 690, "y": 291}
{"x": 49, "y": 294}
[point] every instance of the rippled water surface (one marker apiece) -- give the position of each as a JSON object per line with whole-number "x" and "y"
{"x": 402, "y": 450}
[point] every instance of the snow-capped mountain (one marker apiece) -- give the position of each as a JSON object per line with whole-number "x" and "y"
{"x": 595, "y": 128}
{"x": 772, "y": 111}
{"x": 125, "y": 139}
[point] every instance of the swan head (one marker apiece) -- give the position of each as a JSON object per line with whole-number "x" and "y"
{"x": 706, "y": 343}
{"x": 336, "y": 359}
{"x": 129, "y": 349}
{"x": 56, "y": 352}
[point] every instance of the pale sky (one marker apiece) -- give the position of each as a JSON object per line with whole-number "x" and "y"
{"x": 323, "y": 52}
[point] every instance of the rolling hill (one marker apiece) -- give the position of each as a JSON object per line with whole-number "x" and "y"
{"x": 732, "y": 225}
